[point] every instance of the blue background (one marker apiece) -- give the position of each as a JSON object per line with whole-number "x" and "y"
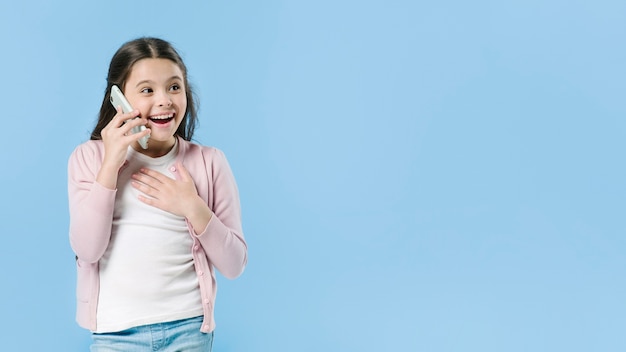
{"x": 414, "y": 176}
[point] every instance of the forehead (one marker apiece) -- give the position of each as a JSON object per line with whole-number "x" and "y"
{"x": 157, "y": 70}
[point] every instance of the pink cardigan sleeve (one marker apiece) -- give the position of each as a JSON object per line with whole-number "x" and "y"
{"x": 90, "y": 204}
{"x": 223, "y": 239}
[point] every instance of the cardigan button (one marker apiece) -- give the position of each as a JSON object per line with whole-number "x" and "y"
{"x": 173, "y": 168}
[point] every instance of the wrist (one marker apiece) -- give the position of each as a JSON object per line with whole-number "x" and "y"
{"x": 107, "y": 176}
{"x": 199, "y": 214}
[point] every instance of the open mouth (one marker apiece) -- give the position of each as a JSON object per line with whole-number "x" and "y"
{"x": 161, "y": 119}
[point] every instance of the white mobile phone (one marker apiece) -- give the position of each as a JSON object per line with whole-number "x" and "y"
{"x": 118, "y": 99}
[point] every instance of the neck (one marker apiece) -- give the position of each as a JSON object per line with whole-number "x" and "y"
{"x": 156, "y": 148}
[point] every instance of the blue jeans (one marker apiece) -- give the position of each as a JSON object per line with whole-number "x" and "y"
{"x": 176, "y": 336}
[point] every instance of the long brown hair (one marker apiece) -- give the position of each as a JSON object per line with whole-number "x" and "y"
{"x": 119, "y": 70}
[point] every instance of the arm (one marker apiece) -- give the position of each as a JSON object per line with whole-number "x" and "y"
{"x": 214, "y": 216}
{"x": 92, "y": 180}
{"x": 222, "y": 238}
{"x": 90, "y": 204}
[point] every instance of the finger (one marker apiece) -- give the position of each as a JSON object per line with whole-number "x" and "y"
{"x": 131, "y": 133}
{"x": 148, "y": 175}
{"x": 122, "y": 121}
{"x": 141, "y": 186}
{"x": 115, "y": 120}
{"x": 144, "y": 180}
{"x": 184, "y": 174}
{"x": 132, "y": 123}
{"x": 145, "y": 189}
{"x": 134, "y": 137}
{"x": 148, "y": 200}
{"x": 120, "y": 117}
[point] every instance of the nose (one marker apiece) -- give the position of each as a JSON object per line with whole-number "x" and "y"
{"x": 164, "y": 99}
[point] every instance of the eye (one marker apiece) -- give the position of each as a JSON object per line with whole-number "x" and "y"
{"x": 175, "y": 87}
{"x": 146, "y": 90}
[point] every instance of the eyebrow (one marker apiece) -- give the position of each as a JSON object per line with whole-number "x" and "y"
{"x": 149, "y": 81}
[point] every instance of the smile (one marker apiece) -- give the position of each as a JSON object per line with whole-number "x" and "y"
{"x": 161, "y": 119}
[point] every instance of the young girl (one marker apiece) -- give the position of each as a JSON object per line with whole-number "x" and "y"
{"x": 148, "y": 226}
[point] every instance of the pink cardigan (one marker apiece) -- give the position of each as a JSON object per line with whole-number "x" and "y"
{"x": 220, "y": 245}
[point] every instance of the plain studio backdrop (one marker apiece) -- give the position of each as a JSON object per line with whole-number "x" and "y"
{"x": 414, "y": 175}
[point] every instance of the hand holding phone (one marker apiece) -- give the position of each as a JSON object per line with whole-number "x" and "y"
{"x": 118, "y": 99}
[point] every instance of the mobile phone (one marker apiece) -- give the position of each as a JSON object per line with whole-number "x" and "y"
{"x": 118, "y": 99}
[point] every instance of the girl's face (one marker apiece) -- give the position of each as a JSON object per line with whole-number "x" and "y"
{"x": 156, "y": 88}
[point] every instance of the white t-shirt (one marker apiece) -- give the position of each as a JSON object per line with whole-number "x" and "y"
{"x": 147, "y": 273}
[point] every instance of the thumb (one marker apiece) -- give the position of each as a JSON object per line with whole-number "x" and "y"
{"x": 184, "y": 174}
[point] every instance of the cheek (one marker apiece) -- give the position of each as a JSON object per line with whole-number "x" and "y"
{"x": 182, "y": 105}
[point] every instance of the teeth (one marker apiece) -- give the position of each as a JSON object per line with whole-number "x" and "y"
{"x": 162, "y": 117}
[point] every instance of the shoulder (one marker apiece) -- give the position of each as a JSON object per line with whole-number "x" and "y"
{"x": 90, "y": 145}
{"x": 208, "y": 153}
{"x": 87, "y": 154}
{"x": 89, "y": 148}
{"x": 205, "y": 160}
